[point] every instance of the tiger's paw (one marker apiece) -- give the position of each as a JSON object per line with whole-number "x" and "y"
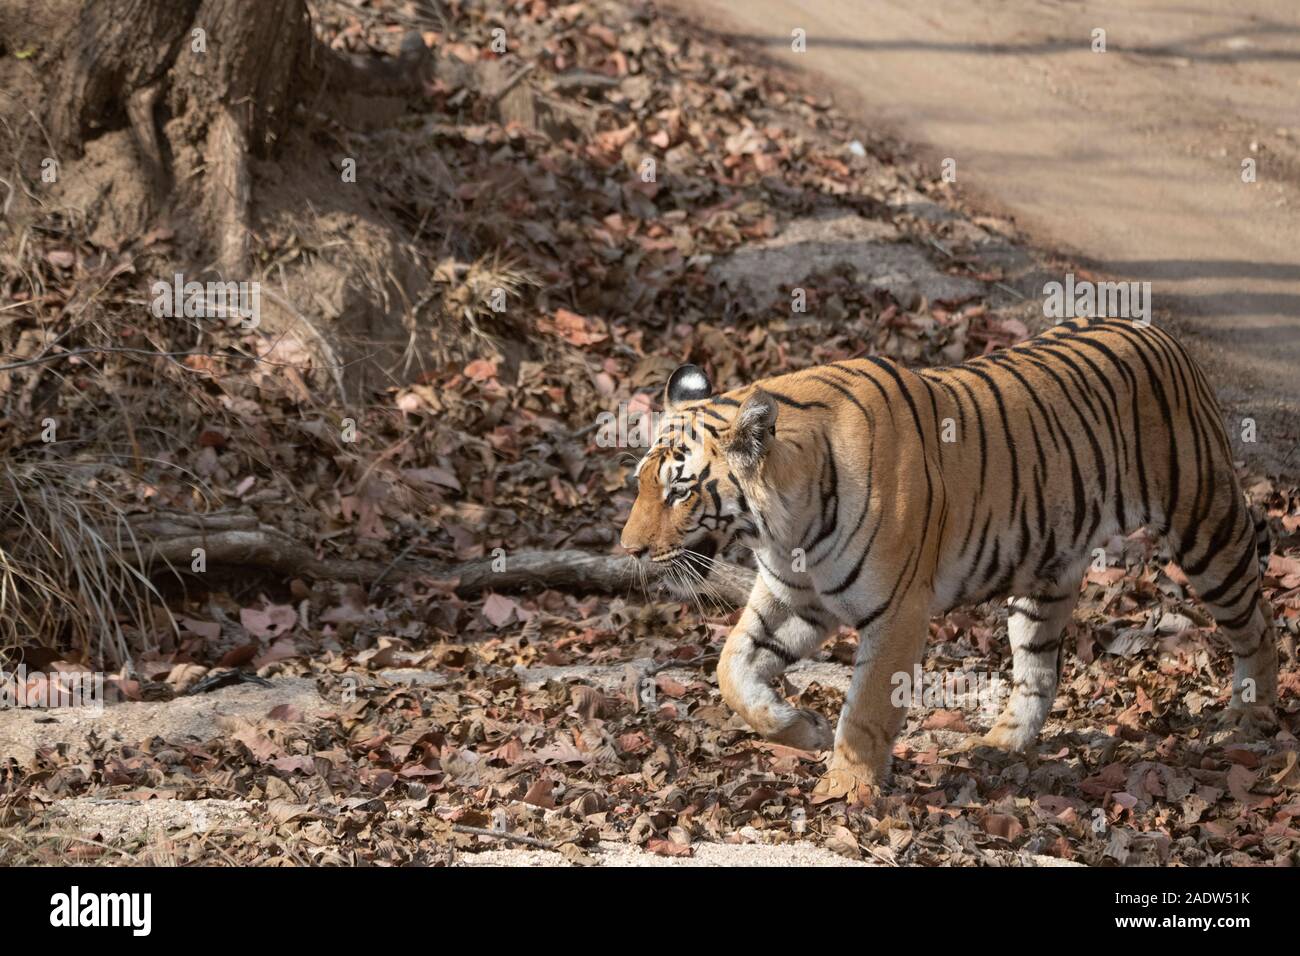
{"x": 854, "y": 781}
{"x": 972, "y": 743}
{"x": 1005, "y": 737}
{"x": 808, "y": 730}
{"x": 1251, "y": 720}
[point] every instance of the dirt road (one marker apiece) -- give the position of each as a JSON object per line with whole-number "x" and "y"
{"x": 1129, "y": 161}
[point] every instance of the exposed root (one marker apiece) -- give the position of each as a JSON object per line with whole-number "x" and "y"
{"x": 231, "y": 190}
{"x": 140, "y": 107}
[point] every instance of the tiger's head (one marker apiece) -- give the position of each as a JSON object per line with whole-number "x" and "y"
{"x": 691, "y": 498}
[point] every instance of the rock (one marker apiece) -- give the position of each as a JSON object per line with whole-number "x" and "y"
{"x": 812, "y": 245}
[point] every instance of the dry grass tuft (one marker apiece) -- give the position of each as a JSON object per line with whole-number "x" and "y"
{"x": 481, "y": 293}
{"x": 65, "y": 582}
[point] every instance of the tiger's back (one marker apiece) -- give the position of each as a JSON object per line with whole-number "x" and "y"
{"x": 1089, "y": 430}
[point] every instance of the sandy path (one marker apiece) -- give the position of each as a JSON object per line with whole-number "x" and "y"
{"x": 202, "y": 717}
{"x": 1130, "y": 160}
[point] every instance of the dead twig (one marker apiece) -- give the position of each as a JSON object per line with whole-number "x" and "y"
{"x": 502, "y": 835}
{"x": 512, "y": 82}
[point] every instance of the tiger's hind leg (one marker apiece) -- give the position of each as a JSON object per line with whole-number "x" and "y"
{"x": 1223, "y": 568}
{"x": 1036, "y": 627}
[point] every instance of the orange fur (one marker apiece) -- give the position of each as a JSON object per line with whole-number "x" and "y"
{"x": 876, "y": 496}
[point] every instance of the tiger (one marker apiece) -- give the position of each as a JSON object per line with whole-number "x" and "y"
{"x": 876, "y": 496}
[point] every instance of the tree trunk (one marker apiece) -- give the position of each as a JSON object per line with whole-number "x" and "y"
{"x": 117, "y": 48}
{"x": 227, "y": 72}
{"x": 202, "y": 85}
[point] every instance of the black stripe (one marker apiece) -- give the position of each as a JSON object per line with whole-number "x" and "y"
{"x": 776, "y": 649}
{"x": 787, "y": 400}
{"x": 1240, "y": 620}
{"x": 1038, "y": 647}
{"x": 790, "y": 584}
{"x": 1032, "y": 615}
{"x": 1230, "y": 580}
{"x": 873, "y": 615}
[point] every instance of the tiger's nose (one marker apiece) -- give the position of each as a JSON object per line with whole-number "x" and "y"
{"x": 635, "y": 550}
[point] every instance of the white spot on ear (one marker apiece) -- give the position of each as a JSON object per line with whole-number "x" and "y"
{"x": 688, "y": 384}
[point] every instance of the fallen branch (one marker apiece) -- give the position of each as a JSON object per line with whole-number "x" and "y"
{"x": 511, "y": 83}
{"x": 237, "y": 539}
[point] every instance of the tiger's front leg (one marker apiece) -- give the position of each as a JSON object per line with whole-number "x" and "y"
{"x": 767, "y": 639}
{"x": 864, "y": 739}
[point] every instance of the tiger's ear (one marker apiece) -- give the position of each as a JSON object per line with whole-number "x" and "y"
{"x": 687, "y": 384}
{"x": 753, "y": 430}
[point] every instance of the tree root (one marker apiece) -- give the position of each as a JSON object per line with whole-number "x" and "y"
{"x": 237, "y": 539}
{"x": 231, "y": 189}
{"x": 140, "y": 106}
